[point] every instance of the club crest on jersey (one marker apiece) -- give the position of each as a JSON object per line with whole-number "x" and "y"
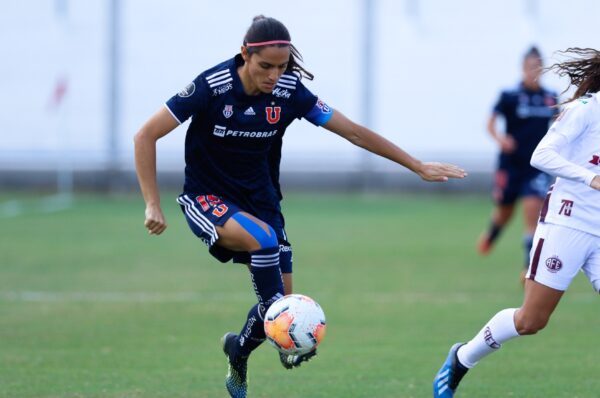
{"x": 554, "y": 264}
{"x": 273, "y": 114}
{"x": 228, "y": 111}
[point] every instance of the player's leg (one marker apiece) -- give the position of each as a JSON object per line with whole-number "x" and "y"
{"x": 245, "y": 233}
{"x": 540, "y": 301}
{"x": 501, "y": 215}
{"x": 286, "y": 262}
{"x": 558, "y": 255}
{"x": 505, "y": 195}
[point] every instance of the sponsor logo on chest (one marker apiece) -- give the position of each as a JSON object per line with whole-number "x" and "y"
{"x": 222, "y": 131}
{"x": 222, "y": 89}
{"x": 281, "y": 93}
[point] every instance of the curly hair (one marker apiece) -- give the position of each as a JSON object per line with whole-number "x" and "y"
{"x": 582, "y": 68}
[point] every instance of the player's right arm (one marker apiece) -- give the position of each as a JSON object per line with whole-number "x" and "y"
{"x": 189, "y": 101}
{"x": 159, "y": 125}
{"x": 505, "y": 141}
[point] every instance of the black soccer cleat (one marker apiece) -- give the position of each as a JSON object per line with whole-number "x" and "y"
{"x": 236, "y": 380}
{"x": 293, "y": 361}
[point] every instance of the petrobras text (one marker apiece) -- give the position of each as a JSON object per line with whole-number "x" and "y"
{"x": 221, "y": 131}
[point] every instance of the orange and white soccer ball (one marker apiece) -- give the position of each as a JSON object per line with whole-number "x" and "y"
{"x": 295, "y": 324}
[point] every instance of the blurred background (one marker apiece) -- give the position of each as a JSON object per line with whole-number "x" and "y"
{"x": 91, "y": 306}
{"x": 79, "y": 78}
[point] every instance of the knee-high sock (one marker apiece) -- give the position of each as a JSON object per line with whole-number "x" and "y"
{"x": 498, "y": 330}
{"x": 494, "y": 231}
{"x": 268, "y": 286}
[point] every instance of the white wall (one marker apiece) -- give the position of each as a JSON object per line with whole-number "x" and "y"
{"x": 438, "y": 67}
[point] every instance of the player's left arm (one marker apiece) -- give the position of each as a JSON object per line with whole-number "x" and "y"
{"x": 373, "y": 142}
{"x": 569, "y": 126}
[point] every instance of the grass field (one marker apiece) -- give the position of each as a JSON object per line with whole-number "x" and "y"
{"x": 91, "y": 306}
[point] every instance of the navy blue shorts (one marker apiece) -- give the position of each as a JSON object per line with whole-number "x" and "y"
{"x": 204, "y": 213}
{"x": 511, "y": 184}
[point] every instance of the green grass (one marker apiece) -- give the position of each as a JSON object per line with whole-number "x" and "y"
{"x": 91, "y": 306}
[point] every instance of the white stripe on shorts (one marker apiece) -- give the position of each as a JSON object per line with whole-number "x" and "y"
{"x": 197, "y": 218}
{"x": 201, "y": 216}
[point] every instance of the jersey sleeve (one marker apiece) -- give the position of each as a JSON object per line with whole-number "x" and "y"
{"x": 547, "y": 158}
{"x": 311, "y": 108}
{"x": 189, "y": 101}
{"x": 501, "y": 104}
{"x": 573, "y": 120}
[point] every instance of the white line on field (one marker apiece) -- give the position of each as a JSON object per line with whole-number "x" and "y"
{"x": 119, "y": 297}
{"x": 383, "y": 298}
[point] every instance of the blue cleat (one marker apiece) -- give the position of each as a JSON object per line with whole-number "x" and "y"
{"x": 450, "y": 374}
{"x": 236, "y": 380}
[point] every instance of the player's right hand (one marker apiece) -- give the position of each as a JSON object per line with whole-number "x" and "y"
{"x": 155, "y": 220}
{"x": 596, "y": 183}
{"x": 507, "y": 144}
{"x": 439, "y": 172}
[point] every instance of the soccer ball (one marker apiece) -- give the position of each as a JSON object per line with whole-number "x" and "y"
{"x": 295, "y": 324}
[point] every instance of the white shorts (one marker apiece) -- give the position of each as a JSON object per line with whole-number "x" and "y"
{"x": 559, "y": 252}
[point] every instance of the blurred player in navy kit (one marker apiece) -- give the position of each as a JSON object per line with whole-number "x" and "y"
{"x": 231, "y": 197}
{"x": 527, "y": 111}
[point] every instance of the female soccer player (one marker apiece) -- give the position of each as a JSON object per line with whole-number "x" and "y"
{"x": 231, "y": 197}
{"x": 567, "y": 237}
{"x": 527, "y": 111}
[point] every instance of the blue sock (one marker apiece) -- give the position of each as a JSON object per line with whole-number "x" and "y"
{"x": 268, "y": 286}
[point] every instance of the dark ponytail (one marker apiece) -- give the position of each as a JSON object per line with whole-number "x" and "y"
{"x": 583, "y": 71}
{"x": 264, "y": 29}
{"x": 533, "y": 52}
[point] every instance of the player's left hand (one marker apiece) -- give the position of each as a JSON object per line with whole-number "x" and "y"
{"x": 439, "y": 172}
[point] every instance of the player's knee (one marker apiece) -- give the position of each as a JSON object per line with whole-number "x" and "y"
{"x": 527, "y": 324}
{"x": 262, "y": 232}
{"x": 267, "y": 239}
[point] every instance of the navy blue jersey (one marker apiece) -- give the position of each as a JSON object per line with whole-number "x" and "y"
{"x": 528, "y": 115}
{"x": 233, "y": 144}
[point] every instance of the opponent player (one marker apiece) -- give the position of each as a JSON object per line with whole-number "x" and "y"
{"x": 527, "y": 111}
{"x": 240, "y": 110}
{"x": 567, "y": 237}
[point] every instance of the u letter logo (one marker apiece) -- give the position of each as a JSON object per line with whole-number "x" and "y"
{"x": 273, "y": 114}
